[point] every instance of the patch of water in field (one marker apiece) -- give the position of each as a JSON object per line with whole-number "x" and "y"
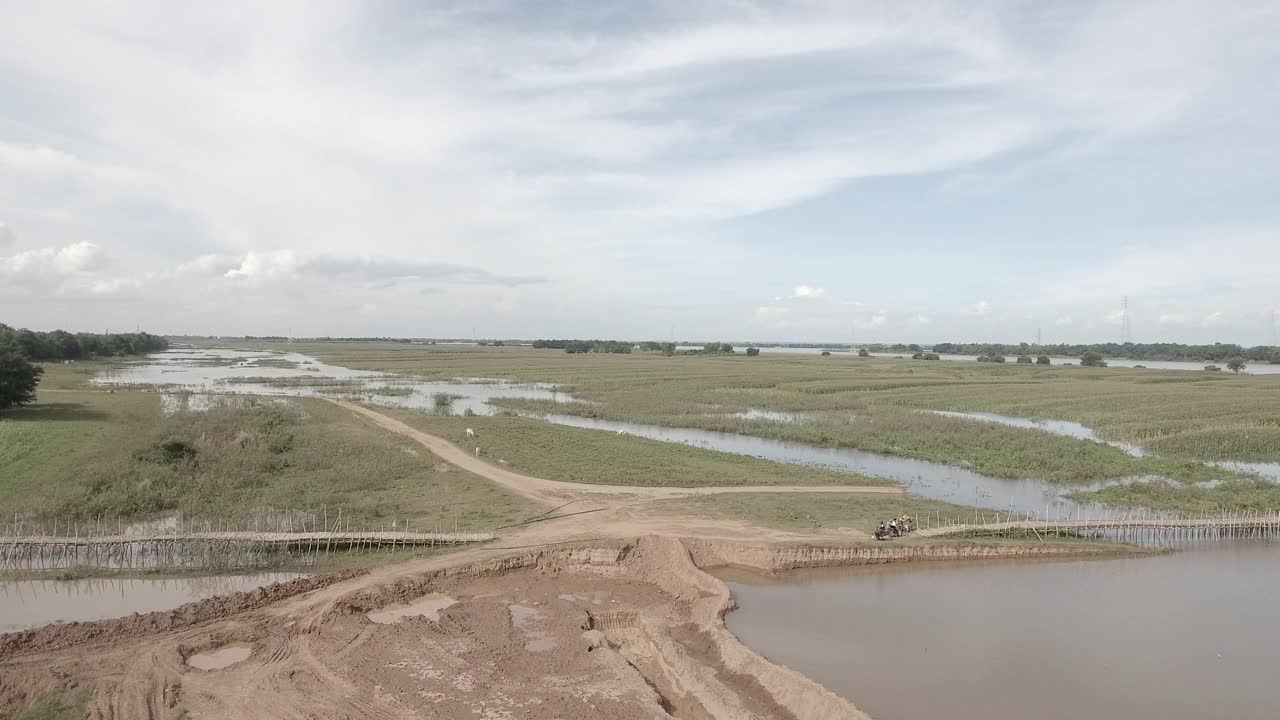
{"x": 1182, "y": 636}
{"x": 32, "y": 603}
{"x": 202, "y": 385}
{"x": 773, "y": 415}
{"x": 1265, "y": 470}
{"x": 1057, "y": 427}
{"x": 921, "y": 477}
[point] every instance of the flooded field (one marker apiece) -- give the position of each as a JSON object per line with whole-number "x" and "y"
{"x": 1057, "y": 427}
{"x": 932, "y": 480}
{"x": 32, "y": 603}
{"x": 198, "y": 380}
{"x": 1181, "y": 636}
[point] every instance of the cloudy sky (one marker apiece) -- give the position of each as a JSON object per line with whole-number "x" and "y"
{"x": 791, "y": 171}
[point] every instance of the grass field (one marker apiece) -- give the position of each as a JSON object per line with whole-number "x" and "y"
{"x": 870, "y": 403}
{"x": 114, "y": 455}
{"x": 810, "y": 511}
{"x": 1246, "y": 494}
{"x": 555, "y": 452}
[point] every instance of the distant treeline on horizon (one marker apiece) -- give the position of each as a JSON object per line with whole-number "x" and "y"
{"x": 62, "y": 345}
{"x": 1216, "y": 352}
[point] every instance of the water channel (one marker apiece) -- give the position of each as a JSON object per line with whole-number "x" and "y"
{"x": 32, "y": 603}
{"x": 1182, "y": 636}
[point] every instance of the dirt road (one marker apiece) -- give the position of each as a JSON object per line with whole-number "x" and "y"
{"x": 555, "y": 492}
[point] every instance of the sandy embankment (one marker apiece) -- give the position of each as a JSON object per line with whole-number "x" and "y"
{"x": 634, "y": 630}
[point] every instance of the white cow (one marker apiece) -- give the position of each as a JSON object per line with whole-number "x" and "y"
{"x": 477, "y": 451}
{"x": 471, "y": 433}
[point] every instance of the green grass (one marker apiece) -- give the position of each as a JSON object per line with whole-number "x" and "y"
{"x": 811, "y": 511}
{"x": 54, "y": 705}
{"x": 555, "y": 452}
{"x": 115, "y": 456}
{"x": 1185, "y": 416}
{"x": 1233, "y": 495}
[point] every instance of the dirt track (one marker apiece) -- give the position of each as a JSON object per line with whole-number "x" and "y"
{"x": 613, "y": 628}
{"x": 555, "y": 492}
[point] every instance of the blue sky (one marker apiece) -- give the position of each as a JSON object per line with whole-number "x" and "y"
{"x": 789, "y": 171}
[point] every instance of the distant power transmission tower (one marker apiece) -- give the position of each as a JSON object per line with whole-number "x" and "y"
{"x": 1126, "y": 332}
{"x": 1038, "y": 342}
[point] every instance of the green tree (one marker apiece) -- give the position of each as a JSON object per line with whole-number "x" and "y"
{"x": 753, "y": 351}
{"x": 826, "y": 353}
{"x": 862, "y": 352}
{"x": 18, "y": 377}
{"x": 1024, "y": 359}
{"x": 931, "y": 356}
{"x": 1042, "y": 360}
{"x": 1092, "y": 359}
{"x": 1236, "y": 364}
{"x": 1213, "y": 368}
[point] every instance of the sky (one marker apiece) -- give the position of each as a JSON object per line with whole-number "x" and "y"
{"x": 808, "y": 171}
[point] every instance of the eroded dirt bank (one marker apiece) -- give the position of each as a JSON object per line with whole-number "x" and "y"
{"x": 634, "y": 630}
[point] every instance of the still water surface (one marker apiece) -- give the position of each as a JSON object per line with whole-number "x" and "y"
{"x": 1184, "y": 636}
{"x": 32, "y": 603}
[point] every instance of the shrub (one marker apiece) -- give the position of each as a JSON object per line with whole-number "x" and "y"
{"x": 753, "y": 351}
{"x": 1092, "y": 359}
{"x": 862, "y": 352}
{"x": 1042, "y": 360}
{"x": 1024, "y": 359}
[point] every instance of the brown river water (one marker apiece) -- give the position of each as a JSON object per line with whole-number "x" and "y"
{"x": 1187, "y": 635}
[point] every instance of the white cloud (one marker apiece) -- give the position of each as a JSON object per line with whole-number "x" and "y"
{"x": 1064, "y": 321}
{"x": 6, "y": 236}
{"x": 919, "y": 319}
{"x": 1114, "y": 317}
{"x": 878, "y": 320}
{"x": 807, "y": 291}
{"x": 75, "y": 258}
{"x": 982, "y": 307}
{"x": 1213, "y": 318}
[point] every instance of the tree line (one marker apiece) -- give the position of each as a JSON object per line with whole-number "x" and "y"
{"x": 1217, "y": 352}
{"x": 21, "y": 350}
{"x": 62, "y": 345}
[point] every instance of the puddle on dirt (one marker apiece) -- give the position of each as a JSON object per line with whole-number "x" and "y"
{"x": 522, "y": 618}
{"x": 1057, "y": 427}
{"x": 205, "y": 378}
{"x": 32, "y": 603}
{"x": 223, "y": 657}
{"x": 1174, "y": 637}
{"x": 428, "y": 607}
{"x": 920, "y": 477}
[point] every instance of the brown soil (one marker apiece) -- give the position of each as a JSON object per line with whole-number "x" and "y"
{"x": 568, "y": 618}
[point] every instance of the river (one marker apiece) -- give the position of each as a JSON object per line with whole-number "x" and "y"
{"x": 1183, "y": 636}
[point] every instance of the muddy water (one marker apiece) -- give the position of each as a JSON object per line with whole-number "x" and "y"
{"x": 428, "y": 607}
{"x": 921, "y": 477}
{"x": 32, "y": 603}
{"x": 1177, "y": 637}
{"x": 223, "y": 657}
